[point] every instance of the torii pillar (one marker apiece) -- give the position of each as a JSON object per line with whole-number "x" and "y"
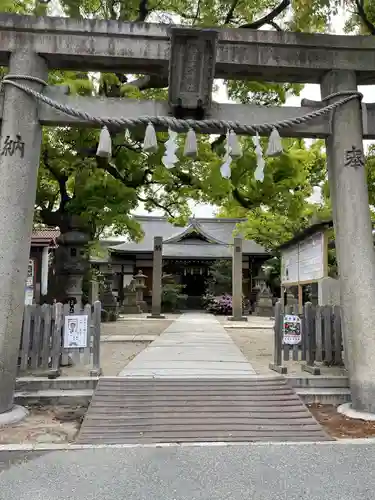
{"x": 237, "y": 278}
{"x": 353, "y": 236}
{"x": 20, "y": 141}
{"x": 157, "y": 278}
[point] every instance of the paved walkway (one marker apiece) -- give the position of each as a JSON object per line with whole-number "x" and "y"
{"x": 194, "y": 345}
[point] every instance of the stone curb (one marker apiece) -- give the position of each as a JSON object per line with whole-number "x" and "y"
{"x": 246, "y": 326}
{"x": 128, "y": 338}
{"x": 71, "y": 446}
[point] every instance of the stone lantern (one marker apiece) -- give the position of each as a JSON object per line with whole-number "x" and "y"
{"x": 72, "y": 263}
{"x": 260, "y": 281}
{"x": 139, "y": 285}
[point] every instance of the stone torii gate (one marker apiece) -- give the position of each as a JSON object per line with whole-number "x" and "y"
{"x": 32, "y": 46}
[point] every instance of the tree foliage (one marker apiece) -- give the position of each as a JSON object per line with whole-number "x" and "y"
{"x": 73, "y": 181}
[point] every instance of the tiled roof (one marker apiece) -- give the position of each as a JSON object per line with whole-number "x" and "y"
{"x": 44, "y": 236}
{"x": 219, "y": 230}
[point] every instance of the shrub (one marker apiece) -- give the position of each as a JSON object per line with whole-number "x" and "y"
{"x": 221, "y": 304}
{"x": 172, "y": 298}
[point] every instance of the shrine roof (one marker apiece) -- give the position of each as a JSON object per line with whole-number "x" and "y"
{"x": 202, "y": 237}
{"x": 306, "y": 233}
{"x": 44, "y": 237}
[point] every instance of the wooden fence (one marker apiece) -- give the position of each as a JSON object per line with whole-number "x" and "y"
{"x": 42, "y": 341}
{"x": 321, "y": 338}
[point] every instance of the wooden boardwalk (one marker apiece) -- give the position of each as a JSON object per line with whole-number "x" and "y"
{"x": 129, "y": 410}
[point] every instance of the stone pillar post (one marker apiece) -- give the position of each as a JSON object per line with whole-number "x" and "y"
{"x": 20, "y": 141}
{"x": 354, "y": 244}
{"x": 93, "y": 290}
{"x": 157, "y": 274}
{"x": 237, "y": 281}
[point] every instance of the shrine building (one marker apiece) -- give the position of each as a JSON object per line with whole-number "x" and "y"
{"x": 188, "y": 252}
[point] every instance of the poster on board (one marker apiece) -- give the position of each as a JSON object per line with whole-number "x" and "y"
{"x": 292, "y": 329}
{"x": 289, "y": 265}
{"x": 303, "y": 262}
{"x": 75, "y": 331}
{"x": 311, "y": 258}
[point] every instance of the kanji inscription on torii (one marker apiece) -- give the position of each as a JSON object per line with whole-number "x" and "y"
{"x": 11, "y": 146}
{"x": 354, "y": 157}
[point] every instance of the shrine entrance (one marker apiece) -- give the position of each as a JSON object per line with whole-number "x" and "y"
{"x": 192, "y": 59}
{"x": 193, "y": 275}
{"x": 194, "y": 280}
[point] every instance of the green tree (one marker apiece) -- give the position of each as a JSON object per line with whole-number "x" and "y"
{"x": 220, "y": 280}
{"x": 73, "y": 181}
{"x": 278, "y": 207}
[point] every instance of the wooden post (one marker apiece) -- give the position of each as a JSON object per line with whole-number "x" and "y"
{"x": 300, "y": 299}
{"x": 310, "y": 339}
{"x": 96, "y": 370}
{"x": 278, "y": 336}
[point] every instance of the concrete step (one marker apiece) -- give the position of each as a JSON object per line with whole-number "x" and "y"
{"x": 32, "y": 384}
{"x": 83, "y": 396}
{"x": 328, "y": 396}
{"x": 54, "y": 397}
{"x": 324, "y": 381}
{"x": 210, "y": 410}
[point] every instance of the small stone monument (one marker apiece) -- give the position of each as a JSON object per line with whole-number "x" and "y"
{"x": 291, "y": 302}
{"x": 130, "y": 305}
{"x": 139, "y": 285}
{"x": 109, "y": 302}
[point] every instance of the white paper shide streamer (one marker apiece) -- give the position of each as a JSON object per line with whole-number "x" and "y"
{"x": 150, "y": 142}
{"x": 275, "y": 148}
{"x": 225, "y": 169}
{"x": 191, "y": 147}
{"x": 170, "y": 159}
{"x": 104, "y": 149}
{"x": 259, "y": 171}
{"x": 235, "y": 149}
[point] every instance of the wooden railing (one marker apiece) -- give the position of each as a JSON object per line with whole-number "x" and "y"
{"x": 42, "y": 341}
{"x": 321, "y": 338}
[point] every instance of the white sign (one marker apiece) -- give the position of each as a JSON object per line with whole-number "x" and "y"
{"x": 75, "y": 331}
{"x": 29, "y": 290}
{"x": 303, "y": 262}
{"x": 289, "y": 265}
{"x": 292, "y": 334}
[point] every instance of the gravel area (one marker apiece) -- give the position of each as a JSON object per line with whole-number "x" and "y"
{"x": 136, "y": 326}
{"x": 114, "y": 356}
{"x": 339, "y": 426}
{"x": 44, "y": 425}
{"x": 257, "y": 347}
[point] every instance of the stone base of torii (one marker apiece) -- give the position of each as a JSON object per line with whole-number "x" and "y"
{"x": 32, "y": 46}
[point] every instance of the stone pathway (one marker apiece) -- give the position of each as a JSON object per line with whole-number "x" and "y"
{"x": 193, "y": 384}
{"x": 194, "y": 345}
